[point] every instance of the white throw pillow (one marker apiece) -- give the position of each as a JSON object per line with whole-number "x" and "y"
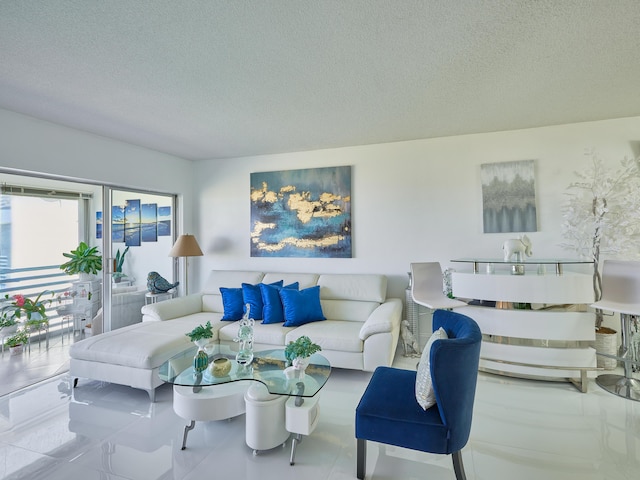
{"x": 424, "y": 387}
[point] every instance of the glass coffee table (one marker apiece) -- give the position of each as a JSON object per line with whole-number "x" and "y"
{"x": 205, "y": 396}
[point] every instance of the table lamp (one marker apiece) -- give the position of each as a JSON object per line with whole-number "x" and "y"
{"x": 186, "y": 246}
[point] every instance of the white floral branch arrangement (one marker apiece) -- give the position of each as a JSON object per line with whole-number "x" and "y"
{"x": 602, "y": 215}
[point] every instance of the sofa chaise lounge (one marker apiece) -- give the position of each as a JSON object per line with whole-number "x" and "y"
{"x": 360, "y": 331}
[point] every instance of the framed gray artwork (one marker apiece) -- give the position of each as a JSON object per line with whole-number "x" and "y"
{"x": 509, "y": 197}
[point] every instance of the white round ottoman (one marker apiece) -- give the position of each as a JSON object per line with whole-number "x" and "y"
{"x": 217, "y": 402}
{"x": 265, "y": 418}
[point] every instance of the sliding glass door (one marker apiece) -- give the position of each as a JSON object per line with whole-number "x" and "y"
{"x": 40, "y": 218}
{"x": 137, "y": 234}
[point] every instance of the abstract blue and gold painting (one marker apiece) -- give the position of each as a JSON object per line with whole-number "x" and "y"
{"x": 301, "y": 213}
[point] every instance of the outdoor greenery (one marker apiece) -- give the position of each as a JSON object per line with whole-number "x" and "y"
{"x": 302, "y": 347}
{"x": 83, "y": 259}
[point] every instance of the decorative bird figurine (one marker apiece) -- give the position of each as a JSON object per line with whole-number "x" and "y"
{"x": 158, "y": 284}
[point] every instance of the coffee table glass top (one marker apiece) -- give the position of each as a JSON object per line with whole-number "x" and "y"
{"x": 267, "y": 367}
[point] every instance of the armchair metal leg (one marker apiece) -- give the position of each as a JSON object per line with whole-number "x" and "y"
{"x": 458, "y": 467}
{"x": 361, "y": 458}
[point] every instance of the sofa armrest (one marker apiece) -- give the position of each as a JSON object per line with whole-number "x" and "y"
{"x": 385, "y": 318}
{"x": 173, "y": 308}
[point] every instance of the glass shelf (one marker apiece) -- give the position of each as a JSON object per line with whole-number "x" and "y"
{"x": 558, "y": 262}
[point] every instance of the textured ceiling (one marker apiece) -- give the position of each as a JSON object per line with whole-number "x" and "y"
{"x": 217, "y": 79}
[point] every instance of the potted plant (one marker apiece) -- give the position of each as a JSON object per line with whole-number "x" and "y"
{"x": 201, "y": 334}
{"x": 33, "y": 310}
{"x": 84, "y": 260}
{"x": 117, "y": 265}
{"x": 8, "y": 323}
{"x": 303, "y": 347}
{"x": 16, "y": 341}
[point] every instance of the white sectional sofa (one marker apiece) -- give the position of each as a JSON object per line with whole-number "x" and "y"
{"x": 360, "y": 331}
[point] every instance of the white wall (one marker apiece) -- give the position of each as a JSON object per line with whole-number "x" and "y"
{"x": 411, "y": 201}
{"x": 31, "y": 145}
{"x": 28, "y": 144}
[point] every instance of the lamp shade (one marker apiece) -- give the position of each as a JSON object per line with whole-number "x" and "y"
{"x": 186, "y": 246}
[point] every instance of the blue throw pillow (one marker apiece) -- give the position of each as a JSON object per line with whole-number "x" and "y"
{"x": 231, "y": 303}
{"x": 272, "y": 312}
{"x": 301, "y": 306}
{"x": 253, "y": 296}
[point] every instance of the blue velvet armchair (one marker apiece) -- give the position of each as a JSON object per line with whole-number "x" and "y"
{"x": 389, "y": 413}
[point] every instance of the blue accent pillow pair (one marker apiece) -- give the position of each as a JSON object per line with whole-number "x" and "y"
{"x": 272, "y": 311}
{"x": 252, "y": 295}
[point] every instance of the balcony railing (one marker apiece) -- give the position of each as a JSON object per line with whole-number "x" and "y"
{"x": 31, "y": 281}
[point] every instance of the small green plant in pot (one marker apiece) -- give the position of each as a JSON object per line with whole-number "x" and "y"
{"x": 8, "y": 321}
{"x": 117, "y": 265}
{"x": 201, "y": 334}
{"x": 21, "y": 337}
{"x": 303, "y": 347}
{"x": 84, "y": 259}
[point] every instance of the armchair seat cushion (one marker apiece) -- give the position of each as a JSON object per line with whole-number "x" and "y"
{"x": 384, "y": 414}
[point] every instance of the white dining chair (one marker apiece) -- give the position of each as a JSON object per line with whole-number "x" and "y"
{"x": 621, "y": 294}
{"x": 426, "y": 287}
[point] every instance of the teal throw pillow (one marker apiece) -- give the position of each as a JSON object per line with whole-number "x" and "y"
{"x": 231, "y": 303}
{"x": 272, "y": 311}
{"x": 301, "y": 306}
{"x": 253, "y": 296}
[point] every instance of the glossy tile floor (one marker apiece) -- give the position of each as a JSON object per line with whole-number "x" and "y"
{"x": 523, "y": 430}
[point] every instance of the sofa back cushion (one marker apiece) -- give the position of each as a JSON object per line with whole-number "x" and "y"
{"x": 350, "y": 310}
{"x": 360, "y": 287}
{"x": 351, "y": 297}
{"x": 212, "y": 299}
{"x": 305, "y": 280}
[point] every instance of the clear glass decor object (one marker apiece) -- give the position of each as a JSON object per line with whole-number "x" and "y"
{"x": 245, "y": 338}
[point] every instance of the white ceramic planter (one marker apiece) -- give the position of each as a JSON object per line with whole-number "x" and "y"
{"x": 17, "y": 350}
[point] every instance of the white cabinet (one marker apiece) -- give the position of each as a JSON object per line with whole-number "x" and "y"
{"x": 86, "y": 302}
{"x": 551, "y": 339}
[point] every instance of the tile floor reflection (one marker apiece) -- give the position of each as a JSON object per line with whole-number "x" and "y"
{"x": 523, "y": 430}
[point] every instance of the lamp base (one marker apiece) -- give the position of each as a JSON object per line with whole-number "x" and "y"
{"x": 620, "y": 385}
